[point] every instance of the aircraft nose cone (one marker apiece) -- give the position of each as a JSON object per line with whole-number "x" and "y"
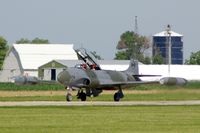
{"x": 64, "y": 77}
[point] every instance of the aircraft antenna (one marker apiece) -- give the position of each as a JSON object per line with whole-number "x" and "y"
{"x": 136, "y": 32}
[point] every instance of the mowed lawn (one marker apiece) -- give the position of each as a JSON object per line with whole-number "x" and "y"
{"x": 143, "y": 95}
{"x": 56, "y": 92}
{"x": 99, "y": 119}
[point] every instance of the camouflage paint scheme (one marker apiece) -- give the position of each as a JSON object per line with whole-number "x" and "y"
{"x": 94, "y": 81}
{"x": 88, "y": 78}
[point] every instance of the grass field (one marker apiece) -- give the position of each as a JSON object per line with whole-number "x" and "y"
{"x": 130, "y": 95}
{"x": 14, "y": 87}
{"x": 128, "y": 119}
{"x": 55, "y": 92}
{"x": 98, "y": 119}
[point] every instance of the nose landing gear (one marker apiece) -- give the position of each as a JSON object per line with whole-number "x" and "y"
{"x": 68, "y": 95}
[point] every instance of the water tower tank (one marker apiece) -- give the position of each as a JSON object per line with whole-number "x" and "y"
{"x": 160, "y": 46}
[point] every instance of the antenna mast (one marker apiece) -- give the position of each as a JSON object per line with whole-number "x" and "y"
{"x": 136, "y": 26}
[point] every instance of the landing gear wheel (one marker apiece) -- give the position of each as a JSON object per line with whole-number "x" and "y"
{"x": 83, "y": 96}
{"x": 116, "y": 97}
{"x": 69, "y": 97}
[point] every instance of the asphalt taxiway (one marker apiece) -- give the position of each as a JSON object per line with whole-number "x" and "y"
{"x": 99, "y": 103}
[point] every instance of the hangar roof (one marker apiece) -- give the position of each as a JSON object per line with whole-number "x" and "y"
{"x": 34, "y": 55}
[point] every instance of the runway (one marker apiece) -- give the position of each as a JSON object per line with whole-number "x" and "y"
{"x": 98, "y": 103}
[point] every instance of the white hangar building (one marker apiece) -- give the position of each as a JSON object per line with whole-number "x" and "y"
{"x": 24, "y": 59}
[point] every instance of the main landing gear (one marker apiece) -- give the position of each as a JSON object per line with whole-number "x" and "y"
{"x": 81, "y": 95}
{"x": 118, "y": 95}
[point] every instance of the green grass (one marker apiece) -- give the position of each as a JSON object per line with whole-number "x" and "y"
{"x": 14, "y": 87}
{"x": 184, "y": 93}
{"x": 170, "y": 96}
{"x": 33, "y": 98}
{"x": 128, "y": 119}
{"x": 189, "y": 85}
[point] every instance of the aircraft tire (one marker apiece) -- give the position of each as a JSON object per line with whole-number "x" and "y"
{"x": 83, "y": 96}
{"x": 116, "y": 97}
{"x": 69, "y": 97}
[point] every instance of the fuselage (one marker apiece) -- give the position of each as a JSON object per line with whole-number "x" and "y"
{"x": 92, "y": 78}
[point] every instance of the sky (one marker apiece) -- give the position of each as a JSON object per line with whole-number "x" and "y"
{"x": 97, "y": 24}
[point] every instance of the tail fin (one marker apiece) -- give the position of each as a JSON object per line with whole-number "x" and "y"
{"x": 133, "y": 68}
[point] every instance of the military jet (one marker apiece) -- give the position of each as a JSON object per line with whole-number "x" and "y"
{"x": 91, "y": 82}
{"x": 94, "y": 81}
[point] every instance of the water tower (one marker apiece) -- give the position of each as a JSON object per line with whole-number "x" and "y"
{"x": 161, "y": 46}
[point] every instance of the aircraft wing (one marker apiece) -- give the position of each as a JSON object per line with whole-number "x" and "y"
{"x": 129, "y": 83}
{"x": 141, "y": 82}
{"x": 162, "y": 81}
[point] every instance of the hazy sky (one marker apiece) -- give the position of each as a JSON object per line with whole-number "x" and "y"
{"x": 98, "y": 24}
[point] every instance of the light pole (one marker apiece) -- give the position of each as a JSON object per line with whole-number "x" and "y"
{"x": 169, "y": 47}
{"x": 171, "y": 80}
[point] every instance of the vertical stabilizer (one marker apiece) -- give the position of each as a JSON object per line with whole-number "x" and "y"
{"x": 133, "y": 68}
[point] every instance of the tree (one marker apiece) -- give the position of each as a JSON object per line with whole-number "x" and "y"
{"x": 34, "y": 41}
{"x": 121, "y": 55}
{"x": 23, "y": 41}
{"x": 133, "y": 46}
{"x": 158, "y": 59}
{"x": 40, "y": 41}
{"x": 147, "y": 60}
{"x": 3, "y": 50}
{"x": 194, "y": 59}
